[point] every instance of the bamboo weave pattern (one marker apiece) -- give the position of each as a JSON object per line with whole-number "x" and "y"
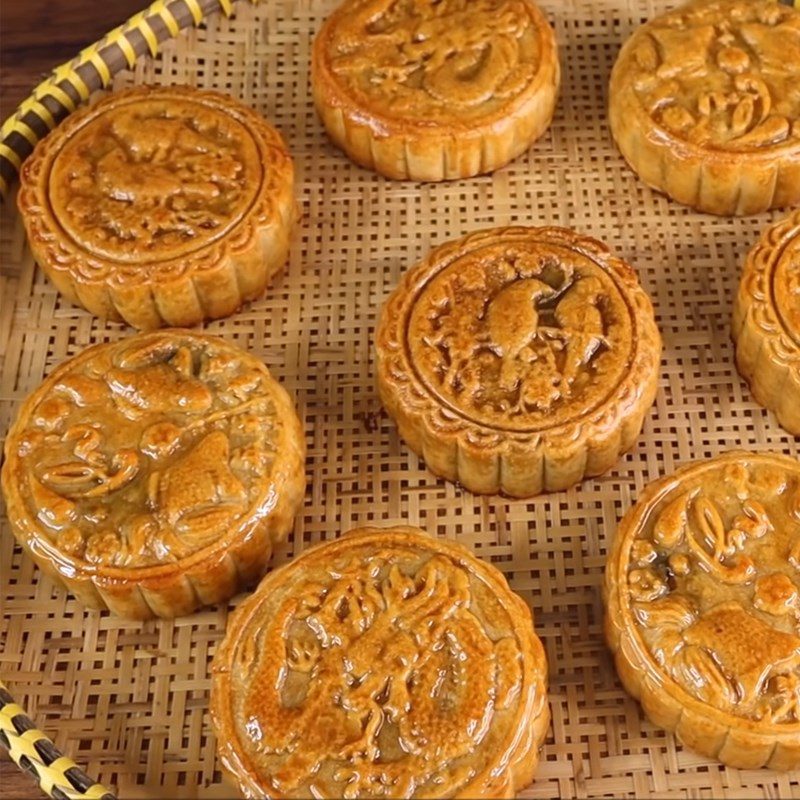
{"x": 129, "y": 700}
{"x": 31, "y": 750}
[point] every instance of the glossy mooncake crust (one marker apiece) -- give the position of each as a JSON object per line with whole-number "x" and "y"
{"x": 435, "y": 90}
{"x": 382, "y": 664}
{"x": 702, "y": 595}
{"x": 152, "y": 476}
{"x": 705, "y": 107}
{"x": 160, "y": 206}
{"x": 518, "y": 360}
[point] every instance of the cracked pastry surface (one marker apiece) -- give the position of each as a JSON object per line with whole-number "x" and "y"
{"x": 705, "y": 105}
{"x": 382, "y": 664}
{"x": 518, "y": 360}
{"x": 153, "y": 475}
{"x": 435, "y": 90}
{"x": 766, "y": 321}
{"x": 160, "y": 206}
{"x": 702, "y": 597}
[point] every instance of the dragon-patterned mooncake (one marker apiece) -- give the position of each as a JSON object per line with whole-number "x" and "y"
{"x": 438, "y": 89}
{"x": 160, "y": 206}
{"x": 385, "y": 663}
{"x": 703, "y": 607}
{"x": 705, "y": 105}
{"x": 519, "y": 360}
{"x": 153, "y": 475}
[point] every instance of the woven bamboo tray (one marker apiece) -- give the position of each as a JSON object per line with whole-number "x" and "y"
{"x": 128, "y": 700}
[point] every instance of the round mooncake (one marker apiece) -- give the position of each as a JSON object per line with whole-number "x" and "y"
{"x": 766, "y": 322}
{"x": 437, "y": 89}
{"x": 519, "y": 360}
{"x": 382, "y": 664}
{"x": 705, "y": 105}
{"x": 160, "y": 206}
{"x": 702, "y": 599}
{"x": 153, "y": 475}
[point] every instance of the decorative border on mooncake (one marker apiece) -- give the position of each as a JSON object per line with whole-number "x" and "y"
{"x": 400, "y": 376}
{"x": 520, "y": 752}
{"x": 681, "y": 146}
{"x": 199, "y": 579}
{"x": 755, "y": 300}
{"x": 339, "y": 96}
{"x": 665, "y": 702}
{"x": 84, "y": 267}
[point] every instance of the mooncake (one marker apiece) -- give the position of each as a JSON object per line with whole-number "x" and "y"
{"x": 160, "y": 206}
{"x": 152, "y": 476}
{"x": 437, "y": 89}
{"x": 766, "y": 322}
{"x": 518, "y": 360}
{"x": 705, "y": 105}
{"x": 702, "y": 607}
{"x": 385, "y": 663}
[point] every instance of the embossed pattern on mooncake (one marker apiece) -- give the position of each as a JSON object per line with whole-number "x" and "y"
{"x": 705, "y": 104}
{"x": 155, "y": 179}
{"x": 427, "y": 61}
{"x": 160, "y": 206}
{"x": 384, "y": 664}
{"x": 521, "y": 337}
{"x": 519, "y": 359}
{"x": 139, "y": 456}
{"x": 722, "y": 74}
{"x": 703, "y": 595}
{"x": 438, "y": 89}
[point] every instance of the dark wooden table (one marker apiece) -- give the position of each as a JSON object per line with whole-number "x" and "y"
{"x": 37, "y": 35}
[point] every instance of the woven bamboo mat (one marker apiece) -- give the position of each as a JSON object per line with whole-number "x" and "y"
{"x": 128, "y": 700}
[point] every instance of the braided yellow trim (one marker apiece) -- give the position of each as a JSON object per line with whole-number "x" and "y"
{"x": 168, "y": 18}
{"x": 28, "y": 132}
{"x": 143, "y": 26}
{"x": 23, "y": 746}
{"x": 197, "y": 12}
{"x": 12, "y": 155}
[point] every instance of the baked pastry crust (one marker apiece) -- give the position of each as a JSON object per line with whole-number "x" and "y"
{"x": 705, "y": 105}
{"x": 435, "y": 91}
{"x": 702, "y": 595}
{"x": 152, "y": 476}
{"x": 519, "y": 360}
{"x": 160, "y": 206}
{"x": 766, "y": 322}
{"x": 383, "y": 664}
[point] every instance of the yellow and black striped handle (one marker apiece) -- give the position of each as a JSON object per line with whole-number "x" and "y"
{"x": 93, "y": 68}
{"x": 60, "y": 777}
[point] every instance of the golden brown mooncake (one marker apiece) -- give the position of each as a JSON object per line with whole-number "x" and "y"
{"x": 703, "y": 610}
{"x": 766, "y": 322}
{"x": 519, "y": 360}
{"x": 385, "y": 663}
{"x": 437, "y": 89}
{"x": 153, "y": 475}
{"x": 160, "y": 206}
{"x": 705, "y": 105}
